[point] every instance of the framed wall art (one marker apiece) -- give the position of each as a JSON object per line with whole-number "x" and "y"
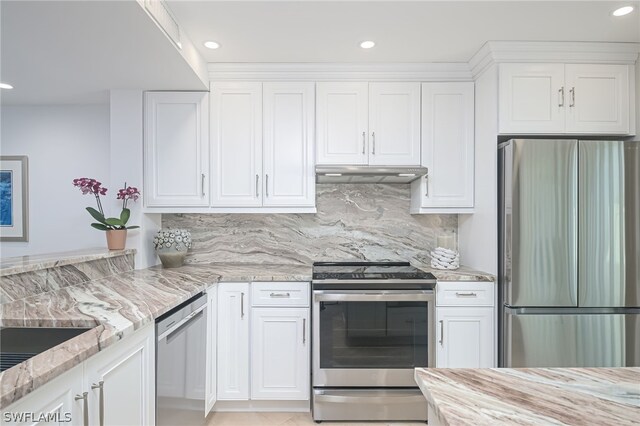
{"x": 14, "y": 198}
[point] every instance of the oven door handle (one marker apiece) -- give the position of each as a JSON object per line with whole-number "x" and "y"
{"x": 388, "y": 398}
{"x": 373, "y": 296}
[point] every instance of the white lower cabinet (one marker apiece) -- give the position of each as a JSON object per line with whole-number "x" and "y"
{"x": 122, "y": 376}
{"x": 280, "y": 353}
{"x": 212, "y": 348}
{"x": 233, "y": 341}
{"x": 465, "y": 325}
{"x": 465, "y": 337}
{"x": 274, "y": 330}
{"x": 55, "y": 401}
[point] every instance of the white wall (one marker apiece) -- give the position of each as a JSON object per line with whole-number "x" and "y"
{"x": 126, "y": 152}
{"x": 477, "y": 233}
{"x": 63, "y": 143}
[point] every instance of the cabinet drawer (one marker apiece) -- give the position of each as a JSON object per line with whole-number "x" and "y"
{"x": 279, "y": 294}
{"x": 461, "y": 293}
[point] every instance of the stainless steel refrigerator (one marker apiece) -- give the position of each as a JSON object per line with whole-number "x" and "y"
{"x": 569, "y": 253}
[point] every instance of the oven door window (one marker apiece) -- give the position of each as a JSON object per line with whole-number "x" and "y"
{"x": 373, "y": 334}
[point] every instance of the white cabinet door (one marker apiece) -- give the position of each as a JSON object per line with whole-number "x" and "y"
{"x": 289, "y": 175}
{"x": 233, "y": 341}
{"x": 597, "y": 98}
{"x": 176, "y": 149}
{"x": 211, "y": 351}
{"x": 447, "y": 147}
{"x": 125, "y": 375}
{"x": 236, "y": 144}
{"x": 532, "y": 98}
{"x": 280, "y": 353}
{"x": 465, "y": 337}
{"x": 342, "y": 123}
{"x": 394, "y": 124}
{"x": 54, "y": 400}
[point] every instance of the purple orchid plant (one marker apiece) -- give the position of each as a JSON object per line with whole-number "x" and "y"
{"x": 94, "y": 187}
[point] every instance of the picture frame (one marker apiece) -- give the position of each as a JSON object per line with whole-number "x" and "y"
{"x": 14, "y": 198}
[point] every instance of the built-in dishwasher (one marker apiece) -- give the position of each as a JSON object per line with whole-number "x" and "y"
{"x": 180, "y": 364}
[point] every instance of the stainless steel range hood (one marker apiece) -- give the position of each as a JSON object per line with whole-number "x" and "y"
{"x": 368, "y": 174}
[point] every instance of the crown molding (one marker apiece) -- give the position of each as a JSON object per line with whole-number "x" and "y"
{"x": 339, "y": 72}
{"x": 553, "y": 52}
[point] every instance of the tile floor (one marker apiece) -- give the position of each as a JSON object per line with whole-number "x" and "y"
{"x": 281, "y": 419}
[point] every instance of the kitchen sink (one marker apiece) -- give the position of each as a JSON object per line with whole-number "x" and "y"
{"x": 18, "y": 344}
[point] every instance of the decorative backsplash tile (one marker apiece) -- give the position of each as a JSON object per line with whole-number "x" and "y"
{"x": 353, "y": 222}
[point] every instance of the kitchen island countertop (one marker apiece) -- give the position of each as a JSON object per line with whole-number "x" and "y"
{"x": 531, "y": 396}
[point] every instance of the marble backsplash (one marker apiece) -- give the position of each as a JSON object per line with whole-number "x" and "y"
{"x": 353, "y": 222}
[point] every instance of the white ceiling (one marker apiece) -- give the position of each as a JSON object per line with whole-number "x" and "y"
{"x": 75, "y": 51}
{"x": 418, "y": 31}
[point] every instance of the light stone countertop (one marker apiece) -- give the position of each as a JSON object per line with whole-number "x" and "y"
{"x": 532, "y": 396}
{"x": 113, "y": 307}
{"x": 20, "y": 264}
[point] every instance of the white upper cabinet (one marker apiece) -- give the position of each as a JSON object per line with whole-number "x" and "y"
{"x": 598, "y": 98}
{"x": 236, "y": 144}
{"x": 262, "y": 145}
{"x": 342, "y": 123}
{"x": 564, "y": 99}
{"x": 289, "y": 175}
{"x": 176, "y": 145}
{"x": 447, "y": 149}
{"x": 394, "y": 124}
{"x": 368, "y": 123}
{"x": 532, "y": 98}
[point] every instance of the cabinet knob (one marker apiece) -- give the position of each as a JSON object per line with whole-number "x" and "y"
{"x": 100, "y": 386}
{"x": 85, "y": 407}
{"x": 573, "y": 97}
{"x": 561, "y": 96}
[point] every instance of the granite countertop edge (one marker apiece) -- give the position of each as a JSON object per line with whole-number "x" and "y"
{"x": 535, "y": 396}
{"x": 22, "y": 264}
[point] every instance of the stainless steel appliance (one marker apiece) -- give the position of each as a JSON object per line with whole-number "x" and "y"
{"x": 373, "y": 323}
{"x": 569, "y": 253}
{"x": 369, "y": 174}
{"x": 180, "y": 364}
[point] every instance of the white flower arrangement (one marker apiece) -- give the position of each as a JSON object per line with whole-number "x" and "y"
{"x": 178, "y": 239}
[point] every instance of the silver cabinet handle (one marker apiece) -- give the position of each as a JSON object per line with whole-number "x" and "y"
{"x": 304, "y": 331}
{"x": 561, "y": 97}
{"x": 373, "y": 142}
{"x": 364, "y": 142}
{"x": 202, "y": 182}
{"x": 426, "y": 183}
{"x": 280, "y": 295}
{"x": 241, "y": 305}
{"x": 441, "y": 341}
{"x": 470, "y": 294}
{"x": 266, "y": 185}
{"x": 85, "y": 407}
{"x": 573, "y": 97}
{"x": 100, "y": 386}
{"x": 257, "y": 180}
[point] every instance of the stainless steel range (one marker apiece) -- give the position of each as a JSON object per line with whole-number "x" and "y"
{"x": 373, "y": 323}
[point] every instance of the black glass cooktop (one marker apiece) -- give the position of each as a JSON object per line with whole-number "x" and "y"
{"x": 368, "y": 271}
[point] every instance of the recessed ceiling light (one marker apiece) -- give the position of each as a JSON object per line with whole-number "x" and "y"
{"x": 625, "y": 10}
{"x": 211, "y": 44}
{"x": 5, "y": 86}
{"x": 367, "y": 44}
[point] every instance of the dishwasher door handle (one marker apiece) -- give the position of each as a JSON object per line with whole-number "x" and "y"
{"x": 182, "y": 323}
